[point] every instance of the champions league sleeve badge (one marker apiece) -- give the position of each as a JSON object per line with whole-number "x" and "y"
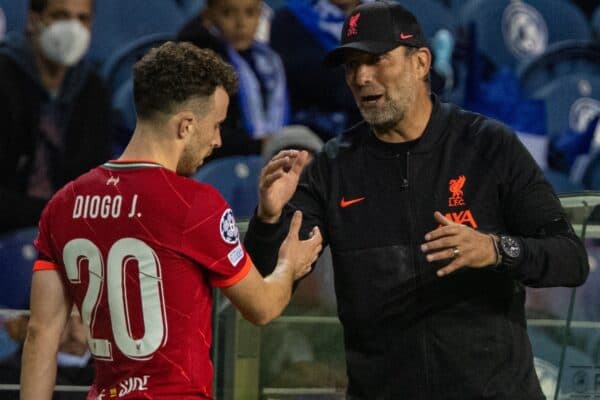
{"x": 228, "y": 228}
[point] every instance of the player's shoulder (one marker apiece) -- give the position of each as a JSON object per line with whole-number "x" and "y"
{"x": 195, "y": 188}
{"x": 201, "y": 197}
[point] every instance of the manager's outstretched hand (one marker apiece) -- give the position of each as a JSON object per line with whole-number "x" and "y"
{"x": 278, "y": 182}
{"x": 465, "y": 246}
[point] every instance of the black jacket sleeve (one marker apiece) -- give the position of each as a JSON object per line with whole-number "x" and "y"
{"x": 553, "y": 255}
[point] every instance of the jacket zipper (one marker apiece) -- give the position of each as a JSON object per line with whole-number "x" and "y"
{"x": 413, "y": 259}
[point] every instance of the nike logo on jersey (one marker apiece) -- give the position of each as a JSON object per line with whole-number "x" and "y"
{"x": 345, "y": 203}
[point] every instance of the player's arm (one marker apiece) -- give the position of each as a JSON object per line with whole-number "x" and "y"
{"x": 260, "y": 300}
{"x": 50, "y": 310}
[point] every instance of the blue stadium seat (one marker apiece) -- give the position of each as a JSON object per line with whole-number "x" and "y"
{"x": 591, "y": 175}
{"x": 190, "y": 7}
{"x": 275, "y": 4}
{"x": 456, "y": 6}
{"x": 118, "y": 68}
{"x": 236, "y": 178}
{"x": 117, "y": 71}
{"x": 17, "y": 255}
{"x": 432, "y": 16}
{"x": 118, "y": 22}
{"x": 562, "y": 58}
{"x": 122, "y": 102}
{"x": 15, "y": 12}
{"x": 508, "y": 32}
{"x": 572, "y": 101}
{"x": 561, "y": 183}
{"x": 596, "y": 22}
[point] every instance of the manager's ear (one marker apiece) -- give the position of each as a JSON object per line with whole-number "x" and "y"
{"x": 422, "y": 62}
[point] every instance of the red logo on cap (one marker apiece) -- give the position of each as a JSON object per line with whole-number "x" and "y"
{"x": 405, "y": 36}
{"x": 352, "y": 28}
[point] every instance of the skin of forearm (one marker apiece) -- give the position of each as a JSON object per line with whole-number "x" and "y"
{"x": 278, "y": 287}
{"x": 38, "y": 370}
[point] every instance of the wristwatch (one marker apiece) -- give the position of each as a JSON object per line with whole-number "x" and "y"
{"x": 510, "y": 250}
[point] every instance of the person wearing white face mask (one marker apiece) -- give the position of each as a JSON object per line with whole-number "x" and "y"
{"x": 65, "y": 42}
{"x": 55, "y": 114}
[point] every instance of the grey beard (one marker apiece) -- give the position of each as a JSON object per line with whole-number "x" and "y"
{"x": 386, "y": 124}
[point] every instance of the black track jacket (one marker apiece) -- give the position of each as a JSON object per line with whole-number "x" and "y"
{"x": 409, "y": 334}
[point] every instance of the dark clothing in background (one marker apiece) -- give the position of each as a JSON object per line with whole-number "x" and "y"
{"x": 235, "y": 138}
{"x": 408, "y": 333}
{"x": 320, "y": 98}
{"x": 70, "y": 131}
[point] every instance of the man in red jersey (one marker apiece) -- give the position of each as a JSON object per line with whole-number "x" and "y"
{"x": 137, "y": 246}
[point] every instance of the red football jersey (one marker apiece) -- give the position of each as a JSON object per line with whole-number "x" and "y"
{"x": 140, "y": 248}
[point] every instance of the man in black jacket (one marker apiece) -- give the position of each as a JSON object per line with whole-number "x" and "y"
{"x": 54, "y": 110}
{"x": 437, "y": 219}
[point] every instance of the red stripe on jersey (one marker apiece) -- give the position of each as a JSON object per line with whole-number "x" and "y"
{"x": 232, "y": 280}
{"x": 43, "y": 265}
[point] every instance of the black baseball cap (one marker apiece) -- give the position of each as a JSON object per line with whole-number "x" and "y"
{"x": 377, "y": 28}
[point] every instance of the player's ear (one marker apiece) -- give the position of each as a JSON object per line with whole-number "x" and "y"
{"x": 184, "y": 121}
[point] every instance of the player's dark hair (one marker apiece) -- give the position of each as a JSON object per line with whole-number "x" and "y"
{"x": 174, "y": 73}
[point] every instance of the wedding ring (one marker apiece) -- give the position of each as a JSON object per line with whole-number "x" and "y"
{"x": 455, "y": 252}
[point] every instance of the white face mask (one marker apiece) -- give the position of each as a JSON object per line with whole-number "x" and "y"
{"x": 65, "y": 42}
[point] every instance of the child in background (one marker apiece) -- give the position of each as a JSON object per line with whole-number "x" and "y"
{"x": 261, "y": 107}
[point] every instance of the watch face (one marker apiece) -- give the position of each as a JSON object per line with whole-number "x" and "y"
{"x": 510, "y": 246}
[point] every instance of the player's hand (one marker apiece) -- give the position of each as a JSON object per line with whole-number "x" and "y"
{"x": 278, "y": 182}
{"x": 300, "y": 254}
{"x": 464, "y": 246}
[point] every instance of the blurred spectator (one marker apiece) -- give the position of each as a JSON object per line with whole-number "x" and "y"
{"x": 54, "y": 110}
{"x": 302, "y": 32}
{"x": 261, "y": 106}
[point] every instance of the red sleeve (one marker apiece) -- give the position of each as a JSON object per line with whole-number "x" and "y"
{"x": 212, "y": 239}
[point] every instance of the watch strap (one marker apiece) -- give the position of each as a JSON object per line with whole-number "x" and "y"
{"x": 495, "y": 239}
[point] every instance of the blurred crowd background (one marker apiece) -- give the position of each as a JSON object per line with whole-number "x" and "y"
{"x": 532, "y": 64}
